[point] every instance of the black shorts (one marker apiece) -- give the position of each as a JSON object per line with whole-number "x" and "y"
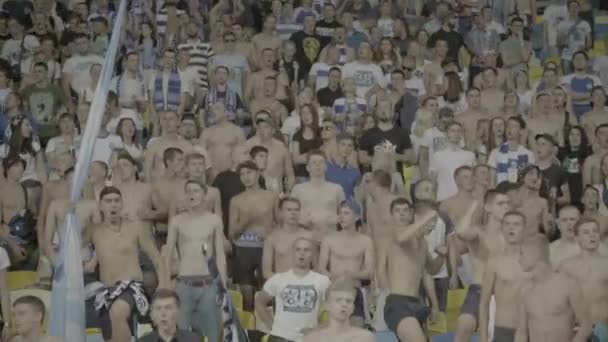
{"x": 359, "y": 305}
{"x": 105, "y": 322}
{"x": 248, "y": 265}
{"x": 398, "y": 308}
{"x": 471, "y": 302}
{"x": 503, "y": 334}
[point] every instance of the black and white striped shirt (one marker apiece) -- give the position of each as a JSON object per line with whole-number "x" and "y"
{"x": 201, "y": 54}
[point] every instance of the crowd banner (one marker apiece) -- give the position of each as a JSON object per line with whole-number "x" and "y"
{"x": 67, "y": 301}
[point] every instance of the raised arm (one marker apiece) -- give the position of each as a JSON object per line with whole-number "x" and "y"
{"x": 581, "y": 312}
{"x": 417, "y": 228}
{"x": 324, "y": 258}
{"x": 220, "y": 253}
{"x": 465, "y": 229}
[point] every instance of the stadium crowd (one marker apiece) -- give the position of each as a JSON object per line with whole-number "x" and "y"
{"x": 330, "y": 170}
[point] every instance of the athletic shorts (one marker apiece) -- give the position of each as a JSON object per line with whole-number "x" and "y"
{"x": 105, "y": 323}
{"x": 248, "y": 265}
{"x": 471, "y": 302}
{"x": 398, "y": 308}
{"x": 503, "y": 334}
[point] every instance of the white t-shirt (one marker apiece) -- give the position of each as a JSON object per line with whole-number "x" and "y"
{"x": 321, "y": 72}
{"x": 131, "y": 89}
{"x": 435, "y": 140}
{"x": 575, "y": 36}
{"x": 415, "y": 85}
{"x": 365, "y": 76}
{"x": 79, "y": 67}
{"x": 435, "y": 239}
{"x": 553, "y": 15}
{"x": 11, "y": 50}
{"x": 5, "y": 261}
{"x": 298, "y": 300}
{"x": 443, "y": 164}
{"x": 104, "y": 147}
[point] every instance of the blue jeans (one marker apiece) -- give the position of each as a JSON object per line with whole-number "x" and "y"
{"x": 199, "y": 309}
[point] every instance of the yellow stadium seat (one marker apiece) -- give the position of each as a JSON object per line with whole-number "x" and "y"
{"x": 265, "y": 338}
{"x": 247, "y": 319}
{"x": 323, "y": 317}
{"x": 456, "y": 298}
{"x": 21, "y": 279}
{"x": 143, "y": 329}
{"x": 439, "y": 327}
{"x": 535, "y": 74}
{"x": 237, "y": 299}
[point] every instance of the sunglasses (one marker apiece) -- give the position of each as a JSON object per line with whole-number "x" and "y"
{"x": 230, "y": 40}
{"x": 407, "y": 68}
{"x": 328, "y": 128}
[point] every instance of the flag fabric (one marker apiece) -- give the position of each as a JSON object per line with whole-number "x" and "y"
{"x": 67, "y": 300}
{"x": 233, "y": 330}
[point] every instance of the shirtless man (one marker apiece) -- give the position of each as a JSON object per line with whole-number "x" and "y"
{"x": 259, "y": 155}
{"x": 592, "y": 173}
{"x": 319, "y": 212}
{"x": 266, "y": 40}
{"x": 12, "y": 202}
{"x": 552, "y": 302}
{"x": 221, "y": 139}
{"x": 481, "y": 241}
{"x": 117, "y": 244}
{"x": 471, "y": 116}
{"x": 280, "y": 165}
{"x": 137, "y": 195}
{"x": 198, "y": 235}
{"x": 502, "y": 277}
{"x": 340, "y": 306}
{"x": 252, "y": 88}
{"x": 534, "y": 207}
{"x": 195, "y": 170}
{"x": 29, "y": 312}
{"x": 348, "y": 253}
{"x": 378, "y": 200}
{"x": 267, "y": 100}
{"x": 403, "y": 265}
{"x": 165, "y": 189}
{"x": 590, "y": 270}
{"x": 277, "y": 246}
{"x": 251, "y": 221}
{"x": 567, "y": 246}
{"x": 88, "y": 213}
{"x": 154, "y": 167}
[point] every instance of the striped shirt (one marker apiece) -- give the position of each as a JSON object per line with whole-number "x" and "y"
{"x": 200, "y": 57}
{"x": 508, "y": 163}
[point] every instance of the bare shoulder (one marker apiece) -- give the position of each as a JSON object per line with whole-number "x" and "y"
{"x": 362, "y": 335}
{"x": 567, "y": 266}
{"x": 313, "y": 336}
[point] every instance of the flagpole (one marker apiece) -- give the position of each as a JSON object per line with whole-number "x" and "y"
{"x": 68, "y": 319}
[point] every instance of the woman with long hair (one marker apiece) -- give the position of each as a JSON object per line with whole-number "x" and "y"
{"x": 598, "y": 114}
{"x": 572, "y": 157}
{"x": 454, "y": 96}
{"x": 306, "y": 139}
{"x": 562, "y": 108}
{"x": 386, "y": 56}
{"x": 127, "y": 132}
{"x": 24, "y": 143}
{"x": 521, "y": 86}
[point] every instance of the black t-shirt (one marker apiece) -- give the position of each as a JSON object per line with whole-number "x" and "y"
{"x": 396, "y": 136}
{"x": 553, "y": 177}
{"x": 305, "y": 147}
{"x": 454, "y": 39}
{"x": 326, "y": 29}
{"x": 308, "y": 49}
{"x": 326, "y": 96}
{"x": 229, "y": 185}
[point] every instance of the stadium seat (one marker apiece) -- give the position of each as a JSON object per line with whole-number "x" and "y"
{"x": 265, "y": 338}
{"x": 247, "y": 319}
{"x": 439, "y": 327}
{"x": 94, "y": 335}
{"x": 456, "y": 298}
{"x": 237, "y": 299}
{"x": 143, "y": 329}
{"x": 21, "y": 279}
{"x": 323, "y": 316}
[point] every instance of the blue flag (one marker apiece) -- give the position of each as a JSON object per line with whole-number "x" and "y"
{"x": 67, "y": 302}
